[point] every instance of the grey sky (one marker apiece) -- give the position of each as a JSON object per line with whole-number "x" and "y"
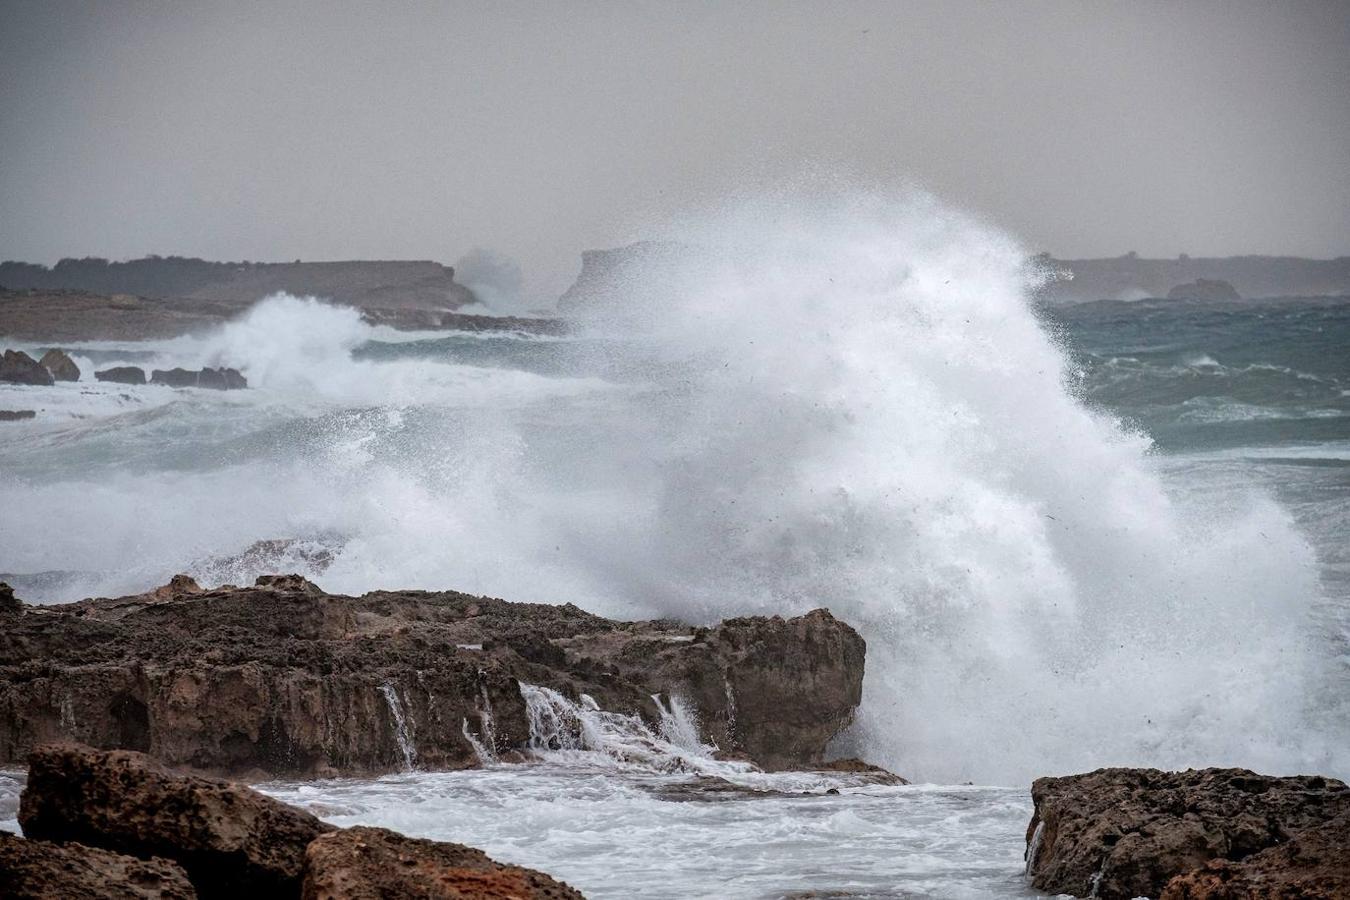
{"x": 329, "y": 130}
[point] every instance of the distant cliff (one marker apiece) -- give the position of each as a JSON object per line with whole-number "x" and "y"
{"x": 381, "y": 284}
{"x": 1130, "y": 277}
{"x": 627, "y": 279}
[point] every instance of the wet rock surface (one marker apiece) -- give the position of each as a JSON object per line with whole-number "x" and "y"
{"x": 1118, "y": 834}
{"x": 61, "y": 366}
{"x": 283, "y": 679}
{"x": 114, "y": 824}
{"x": 374, "y": 863}
{"x": 17, "y": 367}
{"x": 864, "y": 770}
{"x": 122, "y": 375}
{"x": 1312, "y": 865}
{"x": 40, "y": 870}
{"x": 231, "y": 840}
{"x": 223, "y": 379}
{"x": 773, "y": 689}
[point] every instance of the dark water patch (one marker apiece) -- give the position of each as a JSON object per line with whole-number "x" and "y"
{"x": 1213, "y": 375}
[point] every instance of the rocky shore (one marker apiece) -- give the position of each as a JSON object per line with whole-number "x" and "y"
{"x": 64, "y": 316}
{"x": 283, "y": 679}
{"x": 117, "y": 824}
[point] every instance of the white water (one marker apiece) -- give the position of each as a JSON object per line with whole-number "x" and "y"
{"x": 611, "y": 835}
{"x": 602, "y": 808}
{"x": 572, "y": 734}
{"x": 402, "y": 735}
{"x": 851, "y": 407}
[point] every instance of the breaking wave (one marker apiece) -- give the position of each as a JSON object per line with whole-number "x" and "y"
{"x": 848, "y": 405}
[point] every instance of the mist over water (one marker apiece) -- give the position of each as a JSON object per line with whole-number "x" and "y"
{"x": 849, "y": 404}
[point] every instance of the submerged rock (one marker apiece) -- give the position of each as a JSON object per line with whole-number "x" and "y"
{"x": 40, "y": 870}
{"x": 122, "y": 375}
{"x": 61, "y": 366}
{"x": 17, "y": 367}
{"x": 283, "y": 679}
{"x": 864, "y": 770}
{"x": 1117, "y": 834}
{"x": 374, "y": 864}
{"x": 231, "y": 840}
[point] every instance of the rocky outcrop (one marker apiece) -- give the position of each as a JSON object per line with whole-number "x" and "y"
{"x": 386, "y": 283}
{"x": 284, "y": 679}
{"x": 17, "y": 367}
{"x": 1212, "y": 289}
{"x": 122, "y": 375}
{"x": 747, "y": 678}
{"x": 1117, "y": 834}
{"x": 9, "y": 604}
{"x": 216, "y": 379}
{"x": 177, "y": 377}
{"x": 374, "y": 863}
{"x": 40, "y": 870}
{"x": 17, "y": 415}
{"x": 231, "y": 840}
{"x": 123, "y": 818}
{"x": 1312, "y": 865}
{"x": 61, "y": 366}
{"x": 222, "y": 379}
{"x": 63, "y": 316}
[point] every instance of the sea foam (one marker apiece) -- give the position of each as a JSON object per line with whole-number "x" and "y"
{"x": 846, "y": 403}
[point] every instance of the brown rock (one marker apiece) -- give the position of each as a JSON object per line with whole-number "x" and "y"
{"x": 288, "y": 583}
{"x": 1313, "y": 865}
{"x": 775, "y": 689}
{"x": 874, "y": 774}
{"x": 122, "y": 375}
{"x": 38, "y": 870}
{"x": 18, "y": 367}
{"x": 61, "y": 366}
{"x": 231, "y": 840}
{"x": 375, "y": 864}
{"x": 283, "y": 679}
{"x": 1116, "y": 834}
{"x": 178, "y": 586}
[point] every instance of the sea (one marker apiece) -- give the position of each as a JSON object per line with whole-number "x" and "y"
{"x": 1107, "y": 533}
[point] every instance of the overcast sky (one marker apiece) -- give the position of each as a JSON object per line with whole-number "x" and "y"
{"x": 271, "y": 131}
